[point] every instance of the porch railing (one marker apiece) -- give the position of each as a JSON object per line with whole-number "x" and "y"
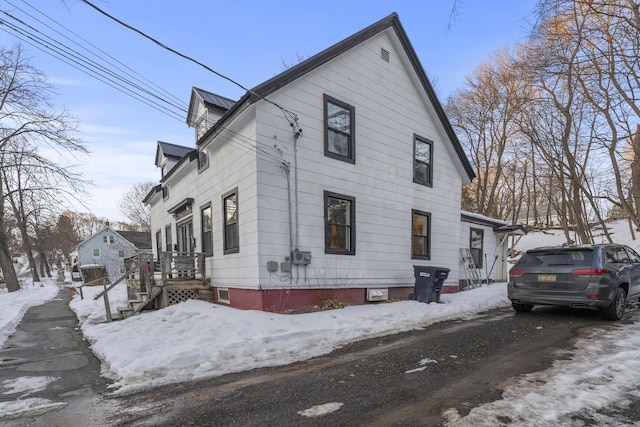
{"x": 182, "y": 265}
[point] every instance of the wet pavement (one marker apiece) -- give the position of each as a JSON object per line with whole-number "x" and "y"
{"x": 48, "y": 374}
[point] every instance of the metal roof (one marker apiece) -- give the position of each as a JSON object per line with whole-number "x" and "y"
{"x": 214, "y": 99}
{"x": 173, "y": 150}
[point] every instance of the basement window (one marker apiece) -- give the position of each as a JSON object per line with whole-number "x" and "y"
{"x": 223, "y": 295}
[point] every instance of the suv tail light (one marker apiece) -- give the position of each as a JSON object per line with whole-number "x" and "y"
{"x": 516, "y": 272}
{"x": 588, "y": 272}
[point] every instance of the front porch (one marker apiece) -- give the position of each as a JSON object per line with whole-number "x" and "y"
{"x": 176, "y": 277}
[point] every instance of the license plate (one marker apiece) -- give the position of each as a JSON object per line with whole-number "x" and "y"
{"x": 546, "y": 277}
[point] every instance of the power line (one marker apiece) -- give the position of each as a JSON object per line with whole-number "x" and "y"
{"x": 289, "y": 115}
{"x": 105, "y": 71}
{"x": 128, "y": 84}
{"x": 95, "y": 48}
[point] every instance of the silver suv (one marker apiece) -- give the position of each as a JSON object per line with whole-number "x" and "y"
{"x": 602, "y": 277}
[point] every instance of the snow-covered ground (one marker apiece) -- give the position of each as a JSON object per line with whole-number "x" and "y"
{"x": 200, "y": 340}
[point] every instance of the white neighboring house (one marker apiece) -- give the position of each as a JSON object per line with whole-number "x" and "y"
{"x": 329, "y": 181}
{"x": 109, "y": 248}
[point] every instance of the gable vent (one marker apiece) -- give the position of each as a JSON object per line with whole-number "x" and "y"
{"x": 384, "y": 54}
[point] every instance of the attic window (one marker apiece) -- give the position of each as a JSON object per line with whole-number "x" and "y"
{"x": 384, "y": 54}
{"x": 202, "y": 125}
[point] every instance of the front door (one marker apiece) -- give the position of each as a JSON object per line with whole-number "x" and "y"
{"x": 185, "y": 237}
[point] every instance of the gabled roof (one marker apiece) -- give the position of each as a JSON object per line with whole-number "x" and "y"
{"x": 214, "y": 100}
{"x": 392, "y": 21}
{"x": 211, "y": 101}
{"x": 141, "y": 240}
{"x": 172, "y": 150}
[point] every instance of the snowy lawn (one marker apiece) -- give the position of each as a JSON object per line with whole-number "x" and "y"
{"x": 197, "y": 339}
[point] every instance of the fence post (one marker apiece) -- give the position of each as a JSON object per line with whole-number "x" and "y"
{"x": 107, "y": 307}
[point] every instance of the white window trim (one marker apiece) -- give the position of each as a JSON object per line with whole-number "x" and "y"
{"x": 225, "y": 300}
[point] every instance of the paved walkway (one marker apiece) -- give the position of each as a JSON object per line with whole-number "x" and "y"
{"x": 49, "y": 374}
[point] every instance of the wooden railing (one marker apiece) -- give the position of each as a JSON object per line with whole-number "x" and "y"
{"x": 181, "y": 265}
{"x": 138, "y": 267}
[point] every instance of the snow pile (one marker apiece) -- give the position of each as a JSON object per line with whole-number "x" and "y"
{"x": 197, "y": 339}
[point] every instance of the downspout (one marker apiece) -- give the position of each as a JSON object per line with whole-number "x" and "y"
{"x": 287, "y": 172}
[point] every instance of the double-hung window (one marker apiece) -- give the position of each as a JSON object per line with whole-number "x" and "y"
{"x": 421, "y": 235}
{"x": 158, "y": 243}
{"x": 339, "y": 219}
{"x": 168, "y": 238}
{"x": 207, "y": 230}
{"x": 422, "y": 161}
{"x": 339, "y": 134}
{"x": 230, "y": 215}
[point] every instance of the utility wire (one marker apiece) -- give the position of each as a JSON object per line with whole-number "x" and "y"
{"x": 34, "y": 37}
{"x": 110, "y": 73}
{"x": 288, "y": 113}
{"x": 77, "y": 61}
{"x": 95, "y": 48}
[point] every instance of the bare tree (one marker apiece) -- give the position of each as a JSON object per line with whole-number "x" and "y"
{"x": 134, "y": 209}
{"x": 29, "y": 125}
{"x": 485, "y": 114}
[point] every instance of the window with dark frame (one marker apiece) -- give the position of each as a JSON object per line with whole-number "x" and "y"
{"x": 230, "y": 214}
{"x": 340, "y": 231}
{"x": 203, "y": 160}
{"x": 339, "y": 135}
{"x": 158, "y": 243}
{"x": 421, "y": 235}
{"x": 168, "y": 239}
{"x": 206, "y": 224}
{"x": 476, "y": 241}
{"x": 422, "y": 161}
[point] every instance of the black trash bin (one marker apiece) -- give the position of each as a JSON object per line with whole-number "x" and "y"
{"x": 428, "y": 284}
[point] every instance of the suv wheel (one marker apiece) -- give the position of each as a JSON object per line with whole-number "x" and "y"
{"x": 522, "y": 308}
{"x": 615, "y": 310}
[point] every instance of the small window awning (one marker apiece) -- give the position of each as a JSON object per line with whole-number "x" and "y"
{"x": 182, "y": 206}
{"x": 513, "y": 230}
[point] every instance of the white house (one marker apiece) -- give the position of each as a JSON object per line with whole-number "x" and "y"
{"x": 109, "y": 248}
{"x": 329, "y": 181}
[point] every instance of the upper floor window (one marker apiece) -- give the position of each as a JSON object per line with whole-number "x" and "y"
{"x": 165, "y": 192}
{"x": 421, "y": 235}
{"x": 422, "y": 161}
{"x": 339, "y": 135}
{"x": 158, "y": 243}
{"x": 339, "y": 220}
{"x": 476, "y": 239}
{"x": 168, "y": 238}
{"x": 203, "y": 159}
{"x": 121, "y": 253}
{"x": 206, "y": 226}
{"x": 230, "y": 213}
{"x": 202, "y": 125}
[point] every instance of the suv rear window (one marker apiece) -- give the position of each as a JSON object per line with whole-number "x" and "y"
{"x": 550, "y": 258}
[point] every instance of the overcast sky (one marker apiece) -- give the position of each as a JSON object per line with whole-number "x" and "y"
{"x": 247, "y": 41}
